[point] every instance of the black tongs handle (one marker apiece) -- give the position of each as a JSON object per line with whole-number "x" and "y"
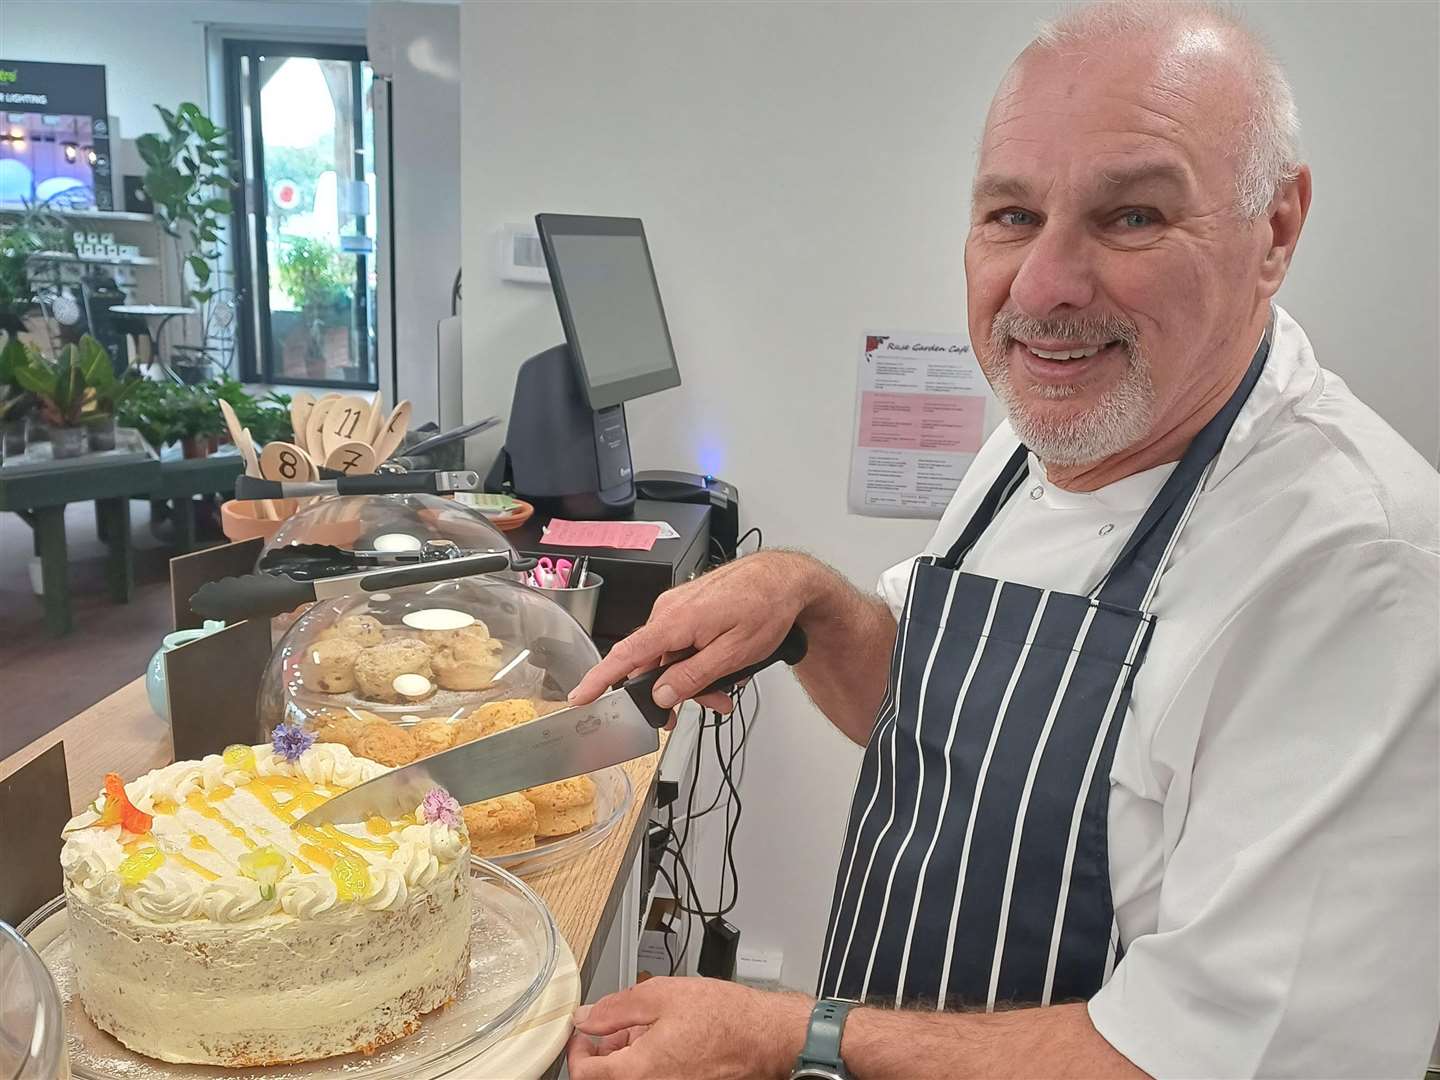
{"x": 640, "y": 688}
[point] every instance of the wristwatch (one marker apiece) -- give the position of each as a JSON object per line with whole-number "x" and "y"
{"x": 820, "y": 1057}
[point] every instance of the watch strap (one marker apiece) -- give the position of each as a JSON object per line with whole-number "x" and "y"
{"x": 822, "y": 1039}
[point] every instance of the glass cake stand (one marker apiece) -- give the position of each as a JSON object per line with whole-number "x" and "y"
{"x": 512, "y": 956}
{"x": 614, "y": 796}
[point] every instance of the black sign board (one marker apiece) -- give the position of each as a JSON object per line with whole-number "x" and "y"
{"x": 56, "y": 134}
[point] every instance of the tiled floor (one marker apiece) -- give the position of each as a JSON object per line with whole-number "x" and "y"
{"x": 46, "y": 680}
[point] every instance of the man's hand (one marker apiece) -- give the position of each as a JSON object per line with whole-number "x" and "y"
{"x": 731, "y": 617}
{"x": 700, "y": 1029}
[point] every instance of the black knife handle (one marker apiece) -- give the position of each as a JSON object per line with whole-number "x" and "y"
{"x": 791, "y": 650}
{"x": 251, "y": 596}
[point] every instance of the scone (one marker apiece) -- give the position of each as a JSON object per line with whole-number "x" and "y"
{"x": 545, "y": 708}
{"x": 565, "y": 806}
{"x": 329, "y": 665}
{"x": 474, "y": 634}
{"x": 377, "y": 667}
{"x": 366, "y": 629}
{"x": 467, "y": 664}
{"x": 387, "y": 744}
{"x": 342, "y": 726}
{"x": 500, "y": 826}
{"x": 432, "y": 735}
{"x": 494, "y": 716}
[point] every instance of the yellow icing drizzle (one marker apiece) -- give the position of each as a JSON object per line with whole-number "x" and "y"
{"x": 163, "y": 805}
{"x": 132, "y": 846}
{"x": 303, "y": 804}
{"x": 378, "y": 826}
{"x": 360, "y": 843}
{"x": 195, "y": 801}
{"x": 318, "y": 855}
{"x": 219, "y": 793}
{"x": 191, "y": 864}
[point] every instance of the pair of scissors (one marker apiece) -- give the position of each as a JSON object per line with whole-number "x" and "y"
{"x": 553, "y": 573}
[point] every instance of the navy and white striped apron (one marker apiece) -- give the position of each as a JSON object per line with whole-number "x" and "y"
{"x": 975, "y": 869}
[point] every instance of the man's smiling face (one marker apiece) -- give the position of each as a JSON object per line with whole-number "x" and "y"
{"x": 1111, "y": 276}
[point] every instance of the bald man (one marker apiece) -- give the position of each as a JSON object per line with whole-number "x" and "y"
{"x": 1150, "y": 730}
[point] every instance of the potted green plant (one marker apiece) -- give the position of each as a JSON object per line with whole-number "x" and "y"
{"x": 198, "y": 420}
{"x": 267, "y": 417}
{"x": 64, "y": 391}
{"x": 34, "y": 228}
{"x": 314, "y": 275}
{"x": 152, "y": 408}
{"x": 188, "y": 176}
{"x": 110, "y": 391}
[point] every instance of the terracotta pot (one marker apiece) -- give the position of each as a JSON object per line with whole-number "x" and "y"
{"x": 239, "y": 518}
{"x": 195, "y": 446}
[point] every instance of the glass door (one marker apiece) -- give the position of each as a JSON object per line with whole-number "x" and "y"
{"x": 305, "y": 213}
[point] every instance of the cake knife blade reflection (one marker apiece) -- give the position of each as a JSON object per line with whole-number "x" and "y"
{"x": 618, "y": 726}
{"x": 566, "y": 743}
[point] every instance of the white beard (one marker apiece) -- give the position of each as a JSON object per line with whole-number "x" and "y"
{"x": 1121, "y": 418}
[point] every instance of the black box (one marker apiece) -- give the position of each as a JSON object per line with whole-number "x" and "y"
{"x": 634, "y": 579}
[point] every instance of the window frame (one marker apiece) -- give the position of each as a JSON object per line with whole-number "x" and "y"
{"x": 256, "y": 364}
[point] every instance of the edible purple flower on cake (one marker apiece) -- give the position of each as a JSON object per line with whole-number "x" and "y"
{"x": 438, "y": 805}
{"x": 290, "y": 741}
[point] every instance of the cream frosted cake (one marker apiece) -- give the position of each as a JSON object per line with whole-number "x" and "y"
{"x": 206, "y": 929}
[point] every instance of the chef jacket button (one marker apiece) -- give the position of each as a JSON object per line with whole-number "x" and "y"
{"x": 1036, "y": 491}
{"x": 1106, "y": 530}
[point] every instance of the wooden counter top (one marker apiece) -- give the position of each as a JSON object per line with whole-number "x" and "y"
{"x": 121, "y": 734}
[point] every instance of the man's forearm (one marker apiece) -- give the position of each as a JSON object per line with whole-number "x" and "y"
{"x": 1057, "y": 1042}
{"x": 851, "y": 637}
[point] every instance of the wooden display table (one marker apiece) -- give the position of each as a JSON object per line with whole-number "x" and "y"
{"x": 120, "y": 734}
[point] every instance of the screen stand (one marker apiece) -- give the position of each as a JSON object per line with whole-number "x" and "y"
{"x": 566, "y": 458}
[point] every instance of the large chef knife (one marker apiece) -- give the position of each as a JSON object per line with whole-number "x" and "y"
{"x": 618, "y": 726}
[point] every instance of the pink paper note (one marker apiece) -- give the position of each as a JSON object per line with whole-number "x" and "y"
{"x": 625, "y": 535}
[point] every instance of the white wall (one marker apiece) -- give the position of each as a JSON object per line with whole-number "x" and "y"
{"x": 802, "y": 170}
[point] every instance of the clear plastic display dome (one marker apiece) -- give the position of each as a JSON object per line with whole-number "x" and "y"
{"x": 474, "y": 653}
{"x": 394, "y": 523}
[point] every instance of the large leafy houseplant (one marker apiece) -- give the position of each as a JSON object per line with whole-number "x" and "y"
{"x": 188, "y": 175}
{"x": 35, "y": 228}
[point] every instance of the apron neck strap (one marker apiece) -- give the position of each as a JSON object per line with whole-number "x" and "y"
{"x": 1131, "y": 581}
{"x": 1004, "y": 486}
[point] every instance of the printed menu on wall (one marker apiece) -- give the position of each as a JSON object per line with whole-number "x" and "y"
{"x": 919, "y": 419}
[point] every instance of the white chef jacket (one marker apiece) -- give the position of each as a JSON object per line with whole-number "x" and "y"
{"x": 1274, "y": 819}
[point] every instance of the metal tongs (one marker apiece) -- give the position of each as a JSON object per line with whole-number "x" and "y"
{"x": 389, "y": 482}
{"x": 266, "y": 594}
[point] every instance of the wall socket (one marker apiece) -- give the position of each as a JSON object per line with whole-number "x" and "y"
{"x": 760, "y": 968}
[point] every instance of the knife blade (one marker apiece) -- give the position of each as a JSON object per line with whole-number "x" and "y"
{"x": 566, "y": 743}
{"x": 619, "y": 725}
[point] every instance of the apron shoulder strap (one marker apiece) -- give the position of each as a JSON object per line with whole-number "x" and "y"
{"x": 1131, "y": 581}
{"x": 1004, "y": 486}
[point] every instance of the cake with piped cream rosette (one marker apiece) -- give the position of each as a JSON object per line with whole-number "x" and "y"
{"x": 205, "y": 929}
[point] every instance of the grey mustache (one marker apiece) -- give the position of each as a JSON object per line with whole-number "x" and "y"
{"x": 1008, "y": 326}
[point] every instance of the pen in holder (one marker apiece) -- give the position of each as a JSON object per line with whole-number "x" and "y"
{"x": 580, "y": 601}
